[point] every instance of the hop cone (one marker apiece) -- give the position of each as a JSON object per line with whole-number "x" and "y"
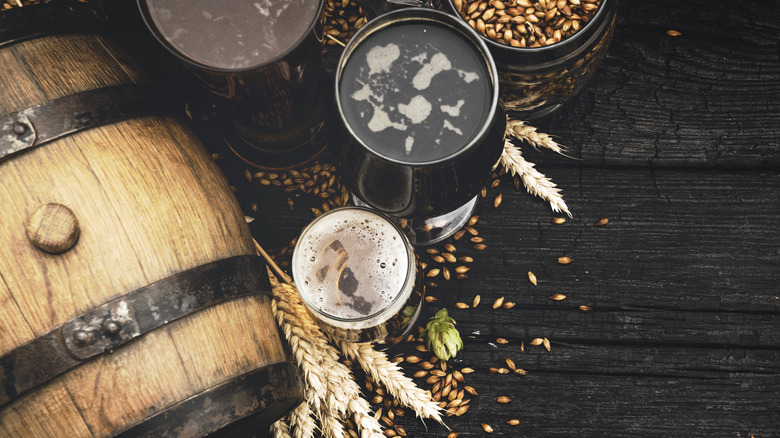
{"x": 443, "y": 338}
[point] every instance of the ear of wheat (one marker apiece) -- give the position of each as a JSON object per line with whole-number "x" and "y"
{"x": 330, "y": 390}
{"x": 534, "y": 181}
{"x": 378, "y": 366}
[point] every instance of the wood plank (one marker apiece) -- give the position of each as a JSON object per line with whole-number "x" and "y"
{"x": 586, "y": 405}
{"x": 706, "y": 98}
{"x": 55, "y": 405}
{"x": 675, "y": 239}
{"x": 702, "y": 241}
{"x": 684, "y": 335}
{"x": 685, "y": 326}
{"x": 14, "y": 330}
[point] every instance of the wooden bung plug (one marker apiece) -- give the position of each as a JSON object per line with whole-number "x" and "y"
{"x": 53, "y": 228}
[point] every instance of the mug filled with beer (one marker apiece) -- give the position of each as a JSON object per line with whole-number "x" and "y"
{"x": 261, "y": 63}
{"x": 358, "y": 276}
{"x": 417, "y": 94}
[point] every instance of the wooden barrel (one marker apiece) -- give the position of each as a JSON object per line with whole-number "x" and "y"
{"x": 131, "y": 301}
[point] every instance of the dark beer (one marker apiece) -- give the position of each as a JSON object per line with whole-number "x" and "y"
{"x": 261, "y": 62}
{"x": 233, "y": 35}
{"x": 417, "y": 94}
{"x": 357, "y": 274}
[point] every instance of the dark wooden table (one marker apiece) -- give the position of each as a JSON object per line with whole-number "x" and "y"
{"x": 677, "y": 143}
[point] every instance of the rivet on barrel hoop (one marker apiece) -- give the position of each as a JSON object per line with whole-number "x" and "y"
{"x": 53, "y": 228}
{"x": 82, "y": 337}
{"x": 111, "y": 327}
{"x": 19, "y": 128}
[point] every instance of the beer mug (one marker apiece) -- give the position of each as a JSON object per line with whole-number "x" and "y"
{"x": 261, "y": 62}
{"x": 417, "y": 94}
{"x": 358, "y": 276}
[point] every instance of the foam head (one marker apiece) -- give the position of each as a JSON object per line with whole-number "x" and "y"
{"x": 352, "y": 264}
{"x": 232, "y": 35}
{"x": 415, "y": 91}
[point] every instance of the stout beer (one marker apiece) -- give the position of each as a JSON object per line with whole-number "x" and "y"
{"x": 417, "y": 93}
{"x": 262, "y": 63}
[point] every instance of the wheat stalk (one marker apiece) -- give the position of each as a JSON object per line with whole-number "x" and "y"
{"x": 378, "y": 366}
{"x": 280, "y": 429}
{"x": 313, "y": 373}
{"x": 368, "y": 426}
{"x": 534, "y": 181}
{"x": 334, "y": 394}
{"x": 331, "y": 391}
{"x": 519, "y": 130}
{"x": 331, "y": 425}
{"x": 301, "y": 421}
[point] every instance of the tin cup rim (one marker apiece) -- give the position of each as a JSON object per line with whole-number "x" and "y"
{"x": 409, "y": 254}
{"x": 149, "y": 23}
{"x": 438, "y": 18}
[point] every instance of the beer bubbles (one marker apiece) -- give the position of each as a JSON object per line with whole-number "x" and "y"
{"x": 356, "y": 273}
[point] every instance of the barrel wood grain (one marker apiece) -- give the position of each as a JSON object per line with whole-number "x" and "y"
{"x": 150, "y": 203}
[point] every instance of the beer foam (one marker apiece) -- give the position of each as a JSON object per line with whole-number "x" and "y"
{"x": 232, "y": 35}
{"x": 403, "y": 91}
{"x": 352, "y": 263}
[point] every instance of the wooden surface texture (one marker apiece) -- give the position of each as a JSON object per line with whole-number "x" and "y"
{"x": 676, "y": 141}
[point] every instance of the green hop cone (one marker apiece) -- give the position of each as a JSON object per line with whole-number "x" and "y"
{"x": 442, "y": 337}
